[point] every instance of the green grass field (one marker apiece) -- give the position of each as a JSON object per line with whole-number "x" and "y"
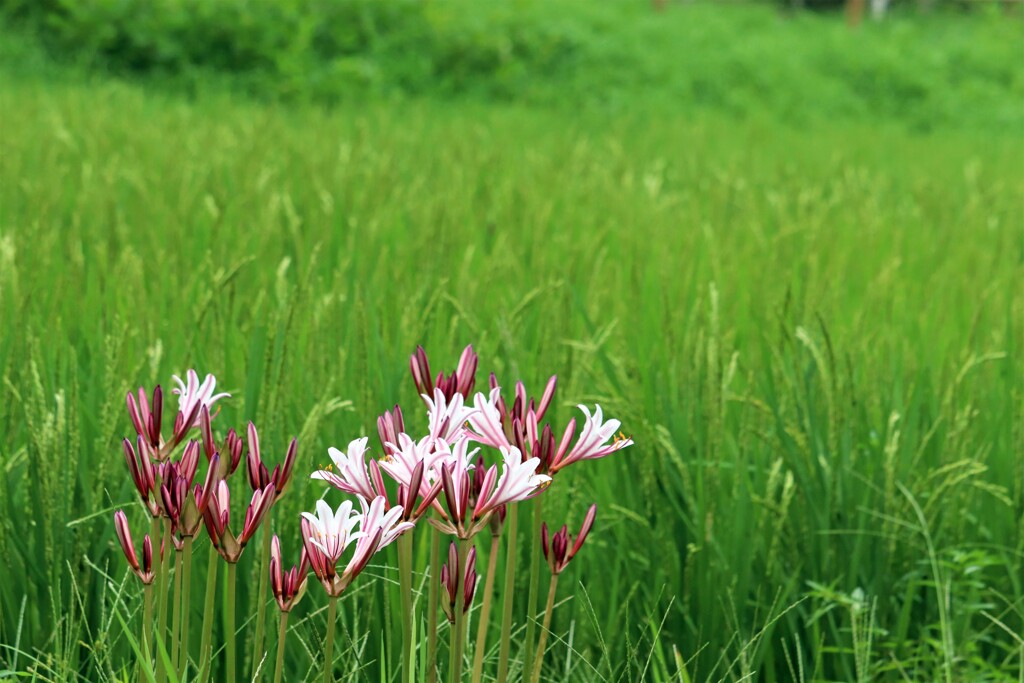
{"x": 815, "y": 339}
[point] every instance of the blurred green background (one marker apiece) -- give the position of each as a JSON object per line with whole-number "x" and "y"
{"x": 786, "y": 251}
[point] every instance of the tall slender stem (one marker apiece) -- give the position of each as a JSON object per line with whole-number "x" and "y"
{"x": 282, "y": 632}
{"x": 485, "y": 611}
{"x": 545, "y": 629}
{"x": 229, "y": 624}
{"x": 155, "y": 531}
{"x": 332, "y": 611}
{"x": 261, "y": 600}
{"x": 531, "y": 601}
{"x": 161, "y": 608}
{"x": 147, "y": 629}
{"x": 186, "y": 604}
{"x": 405, "y": 586}
{"x": 176, "y": 608}
{"x": 458, "y": 631}
{"x": 451, "y": 651}
{"x": 505, "y": 645}
{"x": 205, "y": 647}
{"x": 433, "y": 587}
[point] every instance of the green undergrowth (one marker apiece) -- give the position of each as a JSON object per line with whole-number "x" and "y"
{"x": 950, "y": 69}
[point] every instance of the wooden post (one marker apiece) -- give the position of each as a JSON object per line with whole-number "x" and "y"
{"x": 854, "y": 12}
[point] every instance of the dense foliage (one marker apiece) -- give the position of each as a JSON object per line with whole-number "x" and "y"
{"x": 962, "y": 69}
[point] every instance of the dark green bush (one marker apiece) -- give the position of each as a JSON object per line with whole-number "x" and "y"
{"x": 747, "y": 61}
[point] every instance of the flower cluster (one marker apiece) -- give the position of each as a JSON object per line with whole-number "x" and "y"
{"x": 474, "y": 458}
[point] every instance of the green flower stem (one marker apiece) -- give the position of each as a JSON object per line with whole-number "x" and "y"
{"x": 229, "y": 624}
{"x": 332, "y": 612}
{"x": 531, "y": 600}
{"x": 155, "y": 529}
{"x": 545, "y": 629}
{"x": 161, "y": 604}
{"x": 261, "y": 601}
{"x": 405, "y": 586}
{"x": 282, "y": 632}
{"x": 451, "y": 652}
{"x": 206, "y": 648}
{"x": 510, "y": 587}
{"x": 485, "y": 611}
{"x": 186, "y": 604}
{"x": 147, "y": 629}
{"x": 176, "y": 607}
{"x": 433, "y": 587}
{"x": 458, "y": 632}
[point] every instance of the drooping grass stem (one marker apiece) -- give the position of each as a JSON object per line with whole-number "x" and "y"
{"x": 505, "y": 645}
{"x": 485, "y": 611}
{"x": 405, "y": 587}
{"x": 186, "y": 604}
{"x": 261, "y": 601}
{"x": 229, "y": 625}
{"x": 433, "y": 588}
{"x": 545, "y": 628}
{"x": 205, "y": 647}
{"x": 531, "y": 600}
{"x": 281, "y": 633}
{"x": 332, "y": 612}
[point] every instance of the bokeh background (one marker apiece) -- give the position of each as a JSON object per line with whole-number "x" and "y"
{"x": 783, "y": 242}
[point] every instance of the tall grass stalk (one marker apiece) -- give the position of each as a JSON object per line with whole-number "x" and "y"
{"x": 505, "y": 644}
{"x": 545, "y": 628}
{"x": 261, "y": 599}
{"x": 480, "y": 644}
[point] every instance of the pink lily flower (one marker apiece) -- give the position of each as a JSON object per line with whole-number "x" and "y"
{"x": 460, "y": 381}
{"x": 465, "y": 518}
{"x": 328, "y": 534}
{"x": 447, "y": 417}
{"x": 449, "y": 574}
{"x": 231, "y": 451}
{"x": 145, "y": 420}
{"x": 192, "y": 396}
{"x": 522, "y": 404}
{"x": 389, "y": 426}
{"x": 350, "y": 473}
{"x": 593, "y": 440}
{"x": 487, "y": 426}
{"x": 143, "y": 569}
{"x": 183, "y": 503}
{"x": 561, "y": 548}
{"x": 289, "y": 585}
{"x": 141, "y": 467}
{"x": 217, "y": 517}
{"x": 259, "y": 477}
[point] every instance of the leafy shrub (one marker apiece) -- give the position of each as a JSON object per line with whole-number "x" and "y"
{"x": 924, "y": 71}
